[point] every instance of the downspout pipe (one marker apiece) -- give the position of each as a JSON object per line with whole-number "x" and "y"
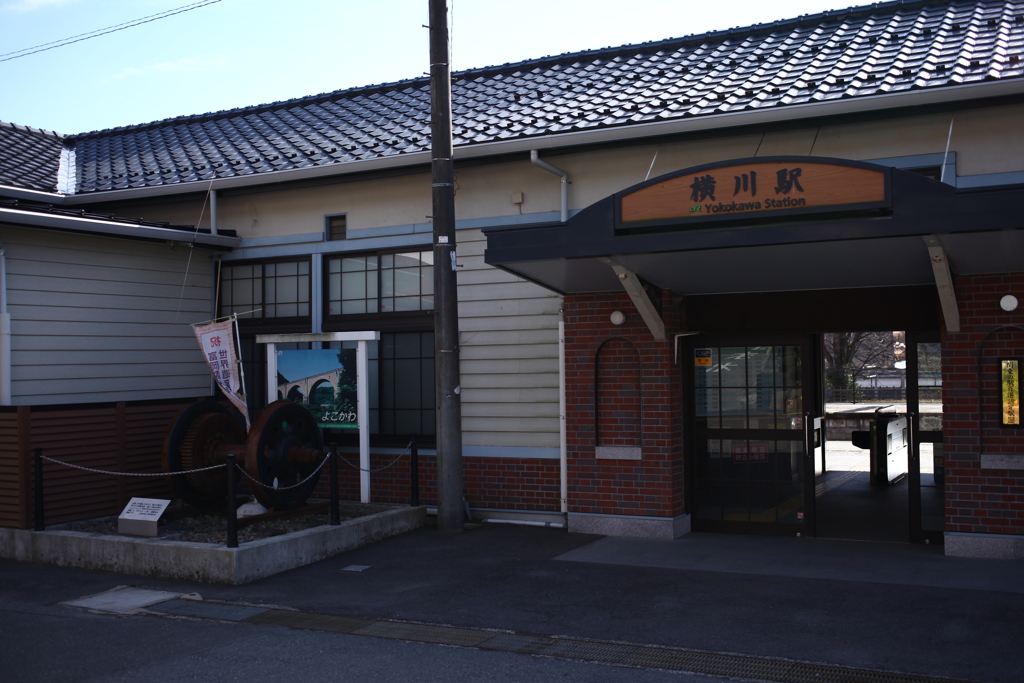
{"x": 563, "y": 179}
{"x": 5, "y": 334}
{"x": 213, "y": 212}
{"x": 562, "y": 441}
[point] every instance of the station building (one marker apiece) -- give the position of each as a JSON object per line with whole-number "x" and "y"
{"x": 652, "y": 240}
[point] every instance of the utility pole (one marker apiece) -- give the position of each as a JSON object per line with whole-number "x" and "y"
{"x": 446, "y": 304}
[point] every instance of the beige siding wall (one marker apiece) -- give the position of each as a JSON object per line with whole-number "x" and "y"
{"x": 508, "y": 331}
{"x": 97, "y": 319}
{"x": 986, "y": 140}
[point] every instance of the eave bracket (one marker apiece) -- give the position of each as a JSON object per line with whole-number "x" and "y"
{"x": 635, "y": 289}
{"x": 944, "y": 282}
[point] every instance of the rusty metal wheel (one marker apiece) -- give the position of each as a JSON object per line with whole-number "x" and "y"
{"x": 284, "y": 447}
{"x": 190, "y": 443}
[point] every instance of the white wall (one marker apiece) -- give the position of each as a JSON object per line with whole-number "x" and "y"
{"x": 97, "y": 319}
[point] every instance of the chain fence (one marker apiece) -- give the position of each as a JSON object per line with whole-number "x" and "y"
{"x": 292, "y": 486}
{"x": 378, "y": 469}
{"x": 130, "y": 474}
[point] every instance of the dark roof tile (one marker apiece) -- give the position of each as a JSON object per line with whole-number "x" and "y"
{"x": 856, "y": 52}
{"x": 29, "y": 158}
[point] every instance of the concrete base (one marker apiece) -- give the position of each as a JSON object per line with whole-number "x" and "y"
{"x": 988, "y": 546}
{"x": 1002, "y": 461}
{"x": 662, "y": 528}
{"x": 205, "y": 562}
{"x": 137, "y": 527}
{"x": 618, "y": 453}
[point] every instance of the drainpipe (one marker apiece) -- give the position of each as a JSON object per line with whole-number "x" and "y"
{"x": 213, "y": 212}
{"x": 562, "y": 449}
{"x": 563, "y": 179}
{"x": 5, "y": 334}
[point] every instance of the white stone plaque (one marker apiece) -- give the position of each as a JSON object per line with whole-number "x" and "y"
{"x": 140, "y": 516}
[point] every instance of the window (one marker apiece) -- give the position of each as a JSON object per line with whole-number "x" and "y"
{"x": 392, "y": 292}
{"x": 380, "y": 283}
{"x": 336, "y": 227}
{"x": 265, "y": 290}
{"x": 401, "y": 375}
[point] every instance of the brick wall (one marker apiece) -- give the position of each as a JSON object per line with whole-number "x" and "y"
{"x": 980, "y": 500}
{"x": 502, "y": 483}
{"x": 652, "y": 486}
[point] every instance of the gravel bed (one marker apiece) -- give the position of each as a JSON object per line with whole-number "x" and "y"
{"x": 211, "y": 528}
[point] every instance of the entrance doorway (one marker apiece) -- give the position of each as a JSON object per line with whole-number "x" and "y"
{"x": 756, "y": 426}
{"x": 773, "y": 439}
{"x": 863, "y": 492}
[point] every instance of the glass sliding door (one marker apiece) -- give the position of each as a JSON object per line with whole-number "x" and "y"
{"x": 751, "y": 470}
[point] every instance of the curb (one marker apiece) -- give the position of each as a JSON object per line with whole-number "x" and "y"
{"x": 204, "y": 562}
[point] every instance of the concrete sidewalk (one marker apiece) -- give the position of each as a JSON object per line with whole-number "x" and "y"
{"x": 885, "y": 607}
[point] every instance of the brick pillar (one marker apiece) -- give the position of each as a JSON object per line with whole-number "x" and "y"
{"x": 984, "y": 466}
{"x": 619, "y": 489}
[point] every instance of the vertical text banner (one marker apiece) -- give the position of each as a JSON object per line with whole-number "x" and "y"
{"x": 216, "y": 341}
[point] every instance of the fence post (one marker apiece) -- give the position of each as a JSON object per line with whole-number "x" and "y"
{"x": 335, "y": 505}
{"x": 232, "y": 513}
{"x": 414, "y": 473}
{"x": 40, "y": 517}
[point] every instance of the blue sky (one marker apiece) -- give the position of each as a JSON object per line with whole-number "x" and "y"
{"x": 295, "y": 365}
{"x": 236, "y": 53}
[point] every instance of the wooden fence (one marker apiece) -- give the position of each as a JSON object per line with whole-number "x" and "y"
{"x": 119, "y": 437}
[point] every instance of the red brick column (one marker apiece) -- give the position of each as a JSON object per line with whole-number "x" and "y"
{"x": 653, "y": 485}
{"x": 981, "y": 500}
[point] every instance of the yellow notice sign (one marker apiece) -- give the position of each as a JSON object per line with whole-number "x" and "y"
{"x": 702, "y": 357}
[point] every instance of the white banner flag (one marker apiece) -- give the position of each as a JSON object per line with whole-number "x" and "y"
{"x": 217, "y": 342}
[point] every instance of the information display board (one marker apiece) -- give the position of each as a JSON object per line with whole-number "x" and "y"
{"x": 323, "y": 381}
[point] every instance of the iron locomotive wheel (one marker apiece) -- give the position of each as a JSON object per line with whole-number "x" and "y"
{"x": 190, "y": 443}
{"x": 281, "y": 427}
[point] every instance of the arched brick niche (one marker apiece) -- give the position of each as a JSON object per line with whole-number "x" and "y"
{"x": 618, "y": 401}
{"x": 998, "y": 444}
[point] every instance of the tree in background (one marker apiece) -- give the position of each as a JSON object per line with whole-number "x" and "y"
{"x": 850, "y": 356}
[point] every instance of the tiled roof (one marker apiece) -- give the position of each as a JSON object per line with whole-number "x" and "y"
{"x": 29, "y": 158}
{"x": 50, "y": 209}
{"x": 861, "y": 52}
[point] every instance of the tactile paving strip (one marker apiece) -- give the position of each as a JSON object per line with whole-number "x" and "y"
{"x": 623, "y": 654}
{"x": 310, "y": 621}
{"x": 513, "y": 642}
{"x": 425, "y": 633}
{"x": 207, "y": 610}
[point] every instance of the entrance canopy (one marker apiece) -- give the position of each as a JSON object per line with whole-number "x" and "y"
{"x": 773, "y": 224}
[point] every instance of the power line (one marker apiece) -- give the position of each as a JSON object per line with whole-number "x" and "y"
{"x": 104, "y": 31}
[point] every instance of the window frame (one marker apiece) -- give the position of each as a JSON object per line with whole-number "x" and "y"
{"x": 327, "y": 227}
{"x": 264, "y": 324}
{"x": 383, "y": 321}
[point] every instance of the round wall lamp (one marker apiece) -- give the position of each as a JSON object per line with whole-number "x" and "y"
{"x": 618, "y": 317}
{"x": 1008, "y": 303}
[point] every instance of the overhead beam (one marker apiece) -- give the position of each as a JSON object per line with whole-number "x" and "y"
{"x": 944, "y": 282}
{"x": 631, "y": 283}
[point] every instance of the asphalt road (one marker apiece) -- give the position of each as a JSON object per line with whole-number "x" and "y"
{"x": 508, "y": 577}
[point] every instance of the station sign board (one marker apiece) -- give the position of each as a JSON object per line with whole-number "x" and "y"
{"x": 754, "y": 189}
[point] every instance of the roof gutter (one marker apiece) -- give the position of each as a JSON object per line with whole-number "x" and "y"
{"x": 32, "y": 195}
{"x": 913, "y": 98}
{"x": 94, "y": 226}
